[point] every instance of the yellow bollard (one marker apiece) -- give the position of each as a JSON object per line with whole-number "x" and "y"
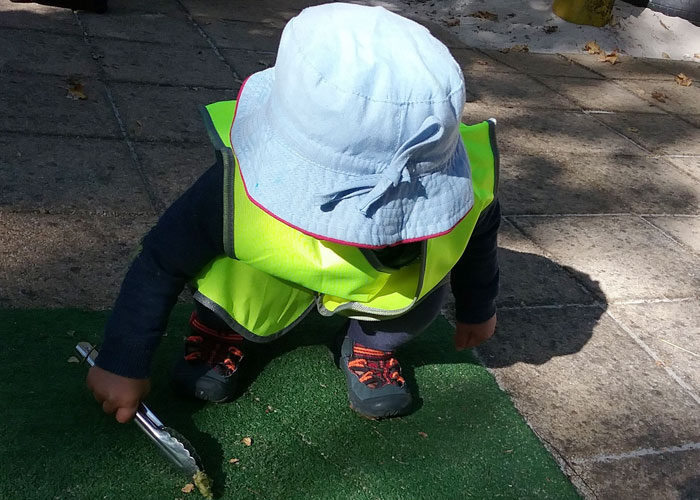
{"x": 593, "y": 12}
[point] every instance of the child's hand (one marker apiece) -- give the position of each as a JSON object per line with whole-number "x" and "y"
{"x": 116, "y": 393}
{"x": 470, "y": 335}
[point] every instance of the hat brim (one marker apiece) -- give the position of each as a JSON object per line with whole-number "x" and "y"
{"x": 286, "y": 185}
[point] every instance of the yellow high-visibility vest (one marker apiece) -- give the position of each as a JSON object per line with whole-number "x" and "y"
{"x": 273, "y": 274}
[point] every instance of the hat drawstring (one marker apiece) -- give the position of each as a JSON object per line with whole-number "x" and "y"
{"x": 376, "y": 185}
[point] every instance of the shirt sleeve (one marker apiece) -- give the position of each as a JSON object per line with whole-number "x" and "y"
{"x": 185, "y": 239}
{"x": 474, "y": 278}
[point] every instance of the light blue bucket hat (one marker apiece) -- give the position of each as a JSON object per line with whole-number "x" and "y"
{"x": 353, "y": 135}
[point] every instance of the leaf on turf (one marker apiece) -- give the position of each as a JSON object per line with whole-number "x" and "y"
{"x": 423, "y": 434}
{"x": 592, "y": 47}
{"x": 234, "y": 460}
{"x": 188, "y": 488}
{"x": 247, "y": 441}
{"x": 683, "y": 80}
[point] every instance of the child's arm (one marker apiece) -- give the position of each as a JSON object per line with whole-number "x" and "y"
{"x": 186, "y": 238}
{"x": 474, "y": 282}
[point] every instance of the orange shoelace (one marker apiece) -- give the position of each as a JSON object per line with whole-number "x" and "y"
{"x": 375, "y": 368}
{"x": 215, "y": 348}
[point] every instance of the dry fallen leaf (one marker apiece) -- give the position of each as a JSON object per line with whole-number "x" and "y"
{"x": 659, "y": 96}
{"x": 188, "y": 488}
{"x": 234, "y": 461}
{"x": 483, "y": 14}
{"x": 683, "y": 80}
{"x": 696, "y": 55}
{"x": 423, "y": 434}
{"x": 632, "y": 129}
{"x": 481, "y": 62}
{"x": 75, "y": 91}
{"x": 592, "y": 48}
{"x": 665, "y": 55}
{"x": 612, "y": 58}
{"x": 452, "y": 22}
{"x": 660, "y": 363}
{"x": 662, "y": 24}
{"x": 247, "y": 441}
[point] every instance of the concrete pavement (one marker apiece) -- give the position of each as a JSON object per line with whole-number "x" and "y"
{"x": 598, "y": 341}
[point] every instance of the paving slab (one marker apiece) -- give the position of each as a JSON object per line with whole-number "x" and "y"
{"x": 42, "y": 104}
{"x": 596, "y": 183}
{"x": 690, "y": 165}
{"x": 38, "y": 17}
{"x": 229, "y": 34}
{"x": 153, "y": 113}
{"x": 163, "y": 64}
{"x": 68, "y": 174}
{"x": 627, "y": 67}
{"x": 47, "y": 53}
{"x": 536, "y": 131}
{"x": 671, "y": 68}
{"x": 169, "y": 7}
{"x": 247, "y": 62}
{"x": 472, "y": 60}
{"x": 652, "y": 477}
{"x": 51, "y": 260}
{"x": 683, "y": 229}
{"x": 628, "y": 257}
{"x": 528, "y": 278}
{"x": 255, "y": 12}
{"x": 586, "y": 385}
{"x": 599, "y": 95}
{"x": 513, "y": 90}
{"x": 543, "y": 64}
{"x": 666, "y": 95}
{"x": 171, "y": 168}
{"x": 672, "y": 331}
{"x": 173, "y": 28}
{"x": 659, "y": 133}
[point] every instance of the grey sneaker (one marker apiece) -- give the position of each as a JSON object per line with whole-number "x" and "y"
{"x": 376, "y": 388}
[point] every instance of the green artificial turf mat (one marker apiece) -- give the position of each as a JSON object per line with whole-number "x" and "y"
{"x": 465, "y": 440}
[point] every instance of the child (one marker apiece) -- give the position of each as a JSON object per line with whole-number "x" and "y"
{"x": 346, "y": 189}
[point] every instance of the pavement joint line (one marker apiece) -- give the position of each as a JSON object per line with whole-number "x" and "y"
{"x": 79, "y": 212}
{"x": 34, "y": 133}
{"x": 551, "y": 216}
{"x": 41, "y": 30}
{"x": 594, "y": 305}
{"x": 667, "y": 235}
{"x": 116, "y": 80}
{"x": 209, "y": 41}
{"x": 157, "y": 205}
{"x": 642, "y": 452}
{"x": 633, "y": 302}
{"x": 688, "y": 389}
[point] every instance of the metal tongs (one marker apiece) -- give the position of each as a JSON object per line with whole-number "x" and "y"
{"x": 171, "y": 443}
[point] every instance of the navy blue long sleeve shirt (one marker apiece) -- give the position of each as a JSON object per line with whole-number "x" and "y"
{"x": 190, "y": 234}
